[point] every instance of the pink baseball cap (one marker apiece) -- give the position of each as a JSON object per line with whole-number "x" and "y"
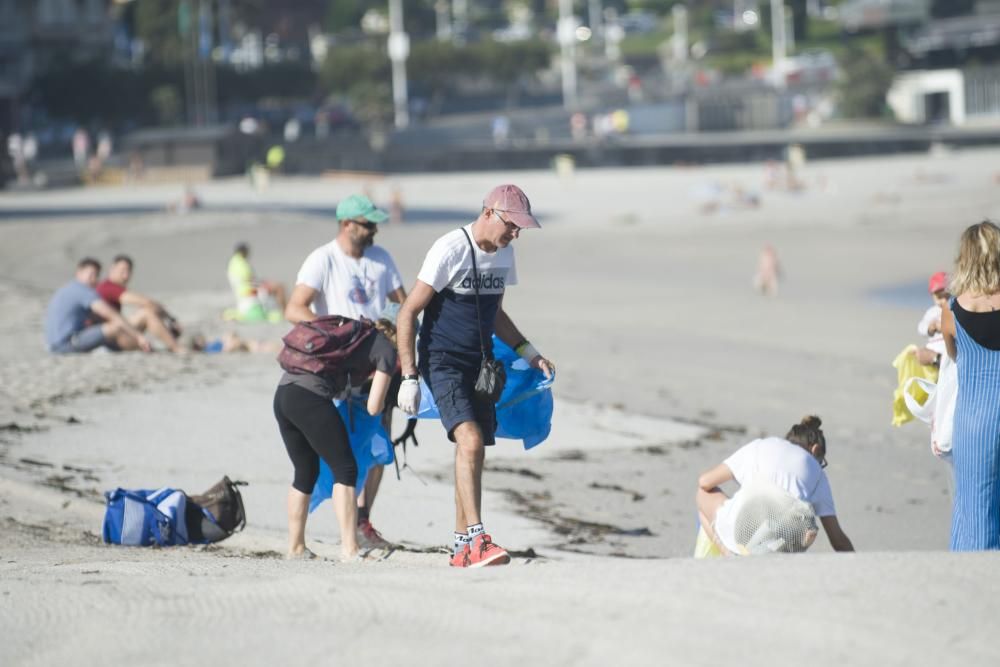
{"x": 938, "y": 282}
{"x": 513, "y": 203}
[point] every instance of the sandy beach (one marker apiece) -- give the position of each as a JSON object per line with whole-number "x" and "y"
{"x": 668, "y": 361}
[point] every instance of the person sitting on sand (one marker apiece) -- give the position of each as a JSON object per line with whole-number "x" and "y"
{"x": 311, "y": 427}
{"x": 149, "y": 315}
{"x": 255, "y": 299}
{"x": 67, "y": 320}
{"x": 794, "y": 464}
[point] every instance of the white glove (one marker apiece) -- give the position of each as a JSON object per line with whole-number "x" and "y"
{"x": 408, "y": 398}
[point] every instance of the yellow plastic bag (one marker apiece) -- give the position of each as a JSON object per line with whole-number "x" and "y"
{"x": 704, "y": 547}
{"x": 907, "y": 367}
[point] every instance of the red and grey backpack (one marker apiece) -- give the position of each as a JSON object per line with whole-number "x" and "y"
{"x": 325, "y": 345}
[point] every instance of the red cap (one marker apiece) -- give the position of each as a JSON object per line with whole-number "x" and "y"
{"x": 513, "y": 203}
{"x": 938, "y": 282}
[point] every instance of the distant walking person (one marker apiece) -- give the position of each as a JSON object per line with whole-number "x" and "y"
{"x": 768, "y": 273}
{"x": 475, "y": 259}
{"x": 971, "y": 328}
{"x": 352, "y": 277}
{"x": 68, "y": 326}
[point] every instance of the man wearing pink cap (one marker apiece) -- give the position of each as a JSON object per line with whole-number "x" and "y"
{"x": 460, "y": 291}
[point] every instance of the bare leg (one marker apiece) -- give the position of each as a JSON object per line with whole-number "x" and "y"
{"x": 709, "y": 503}
{"x": 461, "y": 526}
{"x": 119, "y": 337}
{"x": 347, "y": 516}
{"x": 469, "y": 455}
{"x": 147, "y": 320}
{"x": 298, "y": 511}
{"x": 367, "y": 497}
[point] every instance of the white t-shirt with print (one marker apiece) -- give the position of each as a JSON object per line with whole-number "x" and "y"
{"x": 449, "y": 322}
{"x": 348, "y": 286}
{"x": 783, "y": 464}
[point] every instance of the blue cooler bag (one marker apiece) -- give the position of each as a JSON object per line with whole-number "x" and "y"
{"x": 142, "y": 517}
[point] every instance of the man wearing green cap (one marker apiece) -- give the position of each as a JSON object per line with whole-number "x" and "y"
{"x": 352, "y": 277}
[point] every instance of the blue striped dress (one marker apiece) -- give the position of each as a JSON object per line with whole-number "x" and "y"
{"x": 975, "y": 520}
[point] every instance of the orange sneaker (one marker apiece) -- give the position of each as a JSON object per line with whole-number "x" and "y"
{"x": 462, "y": 559}
{"x": 371, "y": 538}
{"x": 485, "y": 552}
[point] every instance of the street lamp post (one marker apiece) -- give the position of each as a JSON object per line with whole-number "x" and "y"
{"x": 778, "y": 44}
{"x": 399, "y": 51}
{"x": 566, "y": 30}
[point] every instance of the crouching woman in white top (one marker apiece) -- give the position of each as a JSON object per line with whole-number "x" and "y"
{"x": 792, "y": 465}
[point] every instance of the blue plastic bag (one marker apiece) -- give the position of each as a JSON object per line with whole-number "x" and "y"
{"x": 524, "y": 411}
{"x": 370, "y": 444}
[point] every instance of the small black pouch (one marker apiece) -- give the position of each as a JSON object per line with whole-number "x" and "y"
{"x": 492, "y": 375}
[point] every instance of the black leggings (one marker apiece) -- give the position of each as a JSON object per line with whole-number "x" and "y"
{"x": 312, "y": 428}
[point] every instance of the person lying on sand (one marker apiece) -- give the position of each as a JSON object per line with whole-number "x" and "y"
{"x": 794, "y": 464}
{"x": 229, "y": 342}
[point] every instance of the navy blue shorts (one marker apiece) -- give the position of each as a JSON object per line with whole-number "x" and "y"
{"x": 451, "y": 381}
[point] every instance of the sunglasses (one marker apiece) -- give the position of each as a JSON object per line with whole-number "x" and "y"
{"x": 510, "y": 225}
{"x": 370, "y": 226}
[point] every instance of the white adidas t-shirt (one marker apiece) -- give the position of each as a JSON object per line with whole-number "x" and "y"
{"x": 782, "y": 464}
{"x": 449, "y": 323}
{"x": 348, "y": 286}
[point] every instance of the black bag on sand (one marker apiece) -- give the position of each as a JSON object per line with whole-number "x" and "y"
{"x": 492, "y": 375}
{"x": 224, "y": 504}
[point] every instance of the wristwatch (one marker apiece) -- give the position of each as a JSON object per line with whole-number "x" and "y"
{"x": 412, "y": 376}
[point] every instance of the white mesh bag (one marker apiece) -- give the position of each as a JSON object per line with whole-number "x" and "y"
{"x": 769, "y": 520}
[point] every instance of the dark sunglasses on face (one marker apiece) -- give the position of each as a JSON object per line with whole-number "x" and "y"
{"x": 370, "y": 226}
{"x": 510, "y": 225}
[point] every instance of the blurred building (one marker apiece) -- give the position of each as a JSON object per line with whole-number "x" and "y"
{"x": 955, "y": 78}
{"x": 34, "y": 32}
{"x": 877, "y": 14}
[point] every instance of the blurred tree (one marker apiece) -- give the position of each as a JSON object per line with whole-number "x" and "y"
{"x": 661, "y": 7}
{"x": 865, "y": 82}
{"x": 361, "y": 74}
{"x": 93, "y": 92}
{"x": 285, "y": 80}
{"x": 433, "y": 67}
{"x": 166, "y": 102}
{"x": 345, "y": 15}
{"x": 156, "y": 24}
{"x": 507, "y": 62}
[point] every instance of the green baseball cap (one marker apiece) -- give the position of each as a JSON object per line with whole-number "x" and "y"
{"x": 359, "y": 206}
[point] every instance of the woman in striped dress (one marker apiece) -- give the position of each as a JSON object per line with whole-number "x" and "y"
{"x": 971, "y": 328}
